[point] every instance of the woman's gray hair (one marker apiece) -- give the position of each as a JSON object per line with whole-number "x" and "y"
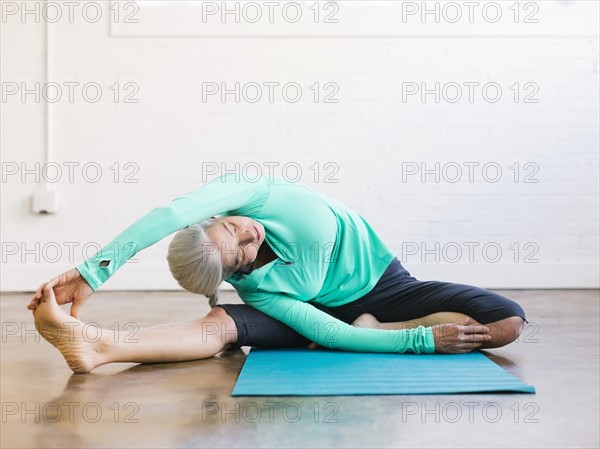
{"x": 195, "y": 262}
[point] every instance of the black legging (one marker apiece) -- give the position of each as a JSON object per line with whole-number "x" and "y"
{"x": 397, "y": 296}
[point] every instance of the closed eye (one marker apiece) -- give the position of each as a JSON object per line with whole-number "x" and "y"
{"x": 227, "y": 228}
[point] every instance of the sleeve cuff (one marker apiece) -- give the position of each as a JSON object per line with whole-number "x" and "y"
{"x": 89, "y": 276}
{"x": 429, "y": 341}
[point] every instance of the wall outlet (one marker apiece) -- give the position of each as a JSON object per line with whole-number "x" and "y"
{"x": 44, "y": 202}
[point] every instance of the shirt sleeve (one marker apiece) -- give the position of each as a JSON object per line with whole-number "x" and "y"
{"x": 332, "y": 333}
{"x": 227, "y": 193}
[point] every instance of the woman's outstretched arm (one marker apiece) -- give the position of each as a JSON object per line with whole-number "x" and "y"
{"x": 226, "y": 193}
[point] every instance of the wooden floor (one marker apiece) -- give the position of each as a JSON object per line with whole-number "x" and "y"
{"x": 189, "y": 405}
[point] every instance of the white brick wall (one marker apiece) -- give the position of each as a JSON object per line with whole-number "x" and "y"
{"x": 369, "y": 133}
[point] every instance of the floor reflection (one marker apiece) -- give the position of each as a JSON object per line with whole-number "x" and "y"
{"x": 137, "y": 403}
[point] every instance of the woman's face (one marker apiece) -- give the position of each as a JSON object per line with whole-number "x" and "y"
{"x": 238, "y": 239}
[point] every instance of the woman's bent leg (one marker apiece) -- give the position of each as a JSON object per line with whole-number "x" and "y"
{"x": 503, "y": 331}
{"x": 399, "y": 301}
{"x": 175, "y": 342}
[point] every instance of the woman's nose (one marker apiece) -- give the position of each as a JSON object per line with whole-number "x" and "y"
{"x": 252, "y": 252}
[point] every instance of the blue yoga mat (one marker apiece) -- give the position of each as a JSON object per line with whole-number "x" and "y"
{"x": 305, "y": 372}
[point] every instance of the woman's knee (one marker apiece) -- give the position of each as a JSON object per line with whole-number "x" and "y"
{"x": 218, "y": 324}
{"x": 504, "y": 331}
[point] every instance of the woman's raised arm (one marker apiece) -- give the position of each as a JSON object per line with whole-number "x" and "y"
{"x": 224, "y": 194}
{"x": 231, "y": 192}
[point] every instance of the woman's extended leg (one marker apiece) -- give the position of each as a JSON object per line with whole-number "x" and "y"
{"x": 175, "y": 342}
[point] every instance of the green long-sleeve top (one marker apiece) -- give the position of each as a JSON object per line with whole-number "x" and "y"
{"x": 326, "y": 254}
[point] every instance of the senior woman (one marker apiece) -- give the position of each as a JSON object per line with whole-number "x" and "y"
{"x": 307, "y": 268}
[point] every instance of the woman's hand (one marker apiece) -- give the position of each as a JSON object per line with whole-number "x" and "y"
{"x": 69, "y": 287}
{"x": 455, "y": 338}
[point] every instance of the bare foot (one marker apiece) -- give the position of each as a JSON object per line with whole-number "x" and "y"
{"x": 366, "y": 320}
{"x": 81, "y": 345}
